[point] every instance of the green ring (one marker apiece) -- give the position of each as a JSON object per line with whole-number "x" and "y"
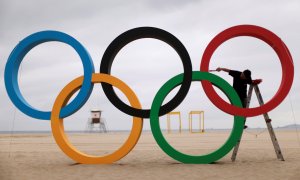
{"x": 201, "y": 159}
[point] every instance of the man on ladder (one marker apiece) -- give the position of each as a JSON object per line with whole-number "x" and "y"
{"x": 240, "y": 81}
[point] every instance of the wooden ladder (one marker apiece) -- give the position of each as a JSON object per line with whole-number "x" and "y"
{"x": 267, "y": 120}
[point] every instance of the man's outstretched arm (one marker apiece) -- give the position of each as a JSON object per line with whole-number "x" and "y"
{"x": 222, "y": 69}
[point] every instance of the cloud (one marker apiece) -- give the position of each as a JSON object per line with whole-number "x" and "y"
{"x": 144, "y": 64}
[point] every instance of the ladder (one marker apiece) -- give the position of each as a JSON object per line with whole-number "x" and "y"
{"x": 254, "y": 86}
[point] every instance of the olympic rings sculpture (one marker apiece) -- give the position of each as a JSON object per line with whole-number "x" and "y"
{"x": 85, "y": 84}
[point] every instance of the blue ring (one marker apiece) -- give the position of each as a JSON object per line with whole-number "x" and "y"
{"x": 15, "y": 59}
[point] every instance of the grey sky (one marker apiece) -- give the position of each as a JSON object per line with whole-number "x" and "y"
{"x": 145, "y": 65}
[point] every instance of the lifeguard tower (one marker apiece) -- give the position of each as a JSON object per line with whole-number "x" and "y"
{"x": 96, "y": 122}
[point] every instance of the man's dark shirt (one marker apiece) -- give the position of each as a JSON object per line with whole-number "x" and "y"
{"x": 240, "y": 85}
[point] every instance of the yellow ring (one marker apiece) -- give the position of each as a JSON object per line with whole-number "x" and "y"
{"x": 58, "y": 126}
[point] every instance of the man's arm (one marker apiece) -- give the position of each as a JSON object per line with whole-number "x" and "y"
{"x": 222, "y": 69}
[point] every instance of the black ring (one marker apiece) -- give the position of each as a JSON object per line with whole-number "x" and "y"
{"x": 146, "y": 32}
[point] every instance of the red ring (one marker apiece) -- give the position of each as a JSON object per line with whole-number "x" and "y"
{"x": 279, "y": 47}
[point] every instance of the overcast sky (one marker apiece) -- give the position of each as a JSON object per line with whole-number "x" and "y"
{"x": 146, "y": 64}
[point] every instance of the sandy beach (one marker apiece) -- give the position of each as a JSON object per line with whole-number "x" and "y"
{"x": 37, "y": 156}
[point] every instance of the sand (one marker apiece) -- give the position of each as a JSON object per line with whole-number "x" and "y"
{"x": 36, "y": 156}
